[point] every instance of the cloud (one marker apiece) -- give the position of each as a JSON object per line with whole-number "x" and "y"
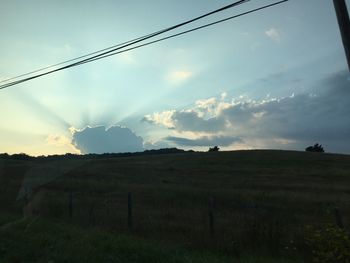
{"x": 179, "y": 76}
{"x": 202, "y": 118}
{"x": 163, "y": 118}
{"x": 186, "y": 120}
{"x": 303, "y": 117}
{"x": 58, "y": 140}
{"x": 274, "y": 34}
{"x": 62, "y": 142}
{"x": 156, "y": 145}
{"x": 204, "y": 140}
{"x": 101, "y": 140}
{"x": 223, "y": 95}
{"x": 193, "y": 121}
{"x": 298, "y": 119}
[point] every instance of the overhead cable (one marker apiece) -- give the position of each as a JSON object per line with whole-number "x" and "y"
{"x": 114, "y": 52}
{"x": 130, "y": 42}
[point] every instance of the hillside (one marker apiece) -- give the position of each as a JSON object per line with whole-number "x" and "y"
{"x": 259, "y": 200}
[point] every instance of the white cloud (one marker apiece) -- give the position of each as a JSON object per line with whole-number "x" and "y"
{"x": 162, "y": 118}
{"x": 207, "y": 107}
{"x": 186, "y": 120}
{"x": 274, "y": 34}
{"x": 178, "y": 76}
{"x": 223, "y": 95}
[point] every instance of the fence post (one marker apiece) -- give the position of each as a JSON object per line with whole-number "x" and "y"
{"x": 92, "y": 218}
{"x": 70, "y": 204}
{"x": 129, "y": 210}
{"x": 211, "y": 216}
{"x": 338, "y": 218}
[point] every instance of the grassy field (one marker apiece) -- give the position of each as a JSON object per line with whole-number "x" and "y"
{"x": 264, "y": 202}
{"x": 49, "y": 241}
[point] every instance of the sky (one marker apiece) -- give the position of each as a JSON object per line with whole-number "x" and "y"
{"x": 275, "y": 79}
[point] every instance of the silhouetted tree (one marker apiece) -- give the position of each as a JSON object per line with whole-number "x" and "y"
{"x": 316, "y": 148}
{"x": 214, "y": 149}
{"x": 21, "y": 156}
{"x": 4, "y": 155}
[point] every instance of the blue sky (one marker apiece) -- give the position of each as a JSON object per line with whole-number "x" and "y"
{"x": 272, "y": 79}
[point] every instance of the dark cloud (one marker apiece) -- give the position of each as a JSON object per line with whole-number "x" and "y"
{"x": 302, "y": 117}
{"x": 191, "y": 121}
{"x": 204, "y": 140}
{"x": 147, "y": 120}
{"x": 112, "y": 140}
{"x": 157, "y": 145}
{"x": 321, "y": 116}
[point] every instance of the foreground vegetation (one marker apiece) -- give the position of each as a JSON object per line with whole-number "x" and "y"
{"x": 267, "y": 204}
{"x": 39, "y": 240}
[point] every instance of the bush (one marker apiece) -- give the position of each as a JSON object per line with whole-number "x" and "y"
{"x": 21, "y": 157}
{"x": 330, "y": 244}
{"x": 316, "y": 148}
{"x": 214, "y": 149}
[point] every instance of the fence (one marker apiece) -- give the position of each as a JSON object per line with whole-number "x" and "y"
{"x": 245, "y": 223}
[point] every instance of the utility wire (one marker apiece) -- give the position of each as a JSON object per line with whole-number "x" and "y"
{"x": 107, "y": 55}
{"x": 131, "y": 42}
{"x": 142, "y": 45}
{"x": 67, "y": 61}
{"x": 184, "y": 32}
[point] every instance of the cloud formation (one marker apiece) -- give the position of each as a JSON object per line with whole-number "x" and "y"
{"x": 193, "y": 121}
{"x": 100, "y": 140}
{"x": 204, "y": 140}
{"x": 274, "y": 34}
{"x": 61, "y": 142}
{"x": 178, "y": 76}
{"x": 302, "y": 119}
{"x": 57, "y": 140}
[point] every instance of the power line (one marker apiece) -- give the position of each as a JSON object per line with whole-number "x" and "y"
{"x": 67, "y": 61}
{"x": 114, "y": 52}
{"x": 131, "y": 42}
{"x": 107, "y": 54}
{"x": 185, "y": 32}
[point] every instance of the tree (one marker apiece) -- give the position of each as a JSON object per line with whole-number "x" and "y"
{"x": 214, "y": 149}
{"x": 316, "y": 148}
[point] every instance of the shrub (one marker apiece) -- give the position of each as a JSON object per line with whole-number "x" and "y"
{"x": 214, "y": 149}
{"x": 316, "y": 148}
{"x": 330, "y": 244}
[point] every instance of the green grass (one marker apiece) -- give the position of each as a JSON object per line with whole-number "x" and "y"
{"x": 39, "y": 240}
{"x": 263, "y": 199}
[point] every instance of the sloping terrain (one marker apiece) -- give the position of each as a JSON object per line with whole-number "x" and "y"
{"x": 258, "y": 201}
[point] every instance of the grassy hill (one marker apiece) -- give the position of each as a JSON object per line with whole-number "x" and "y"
{"x": 261, "y": 202}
